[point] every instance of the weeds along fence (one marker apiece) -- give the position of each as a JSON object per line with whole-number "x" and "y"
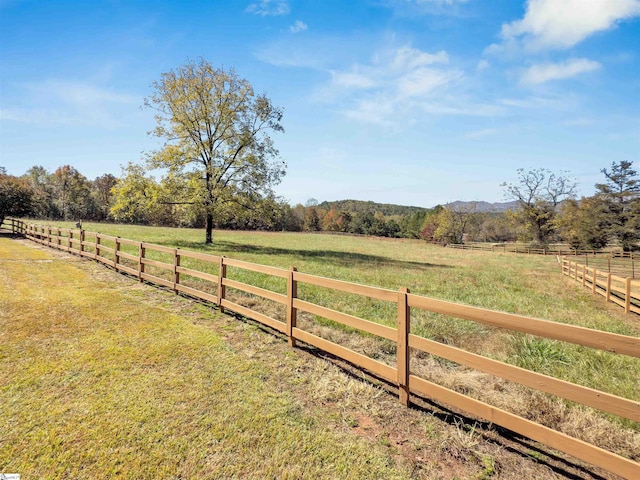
{"x": 622, "y": 291}
{"x": 212, "y": 278}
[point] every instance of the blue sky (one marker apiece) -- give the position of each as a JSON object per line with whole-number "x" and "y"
{"x": 397, "y": 101}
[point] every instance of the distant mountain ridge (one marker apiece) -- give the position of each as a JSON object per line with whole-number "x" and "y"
{"x": 390, "y": 209}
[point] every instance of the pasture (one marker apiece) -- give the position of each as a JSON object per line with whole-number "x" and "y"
{"x": 519, "y": 284}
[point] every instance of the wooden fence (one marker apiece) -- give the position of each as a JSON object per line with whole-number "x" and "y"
{"x": 167, "y": 268}
{"x": 622, "y": 291}
{"x": 514, "y": 248}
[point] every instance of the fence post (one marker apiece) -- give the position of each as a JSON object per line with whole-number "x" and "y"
{"x": 116, "y": 250}
{"x": 595, "y": 279}
{"x": 58, "y": 238}
{"x": 176, "y": 274}
{"x": 140, "y": 258}
{"x": 404, "y": 327}
{"x": 13, "y": 227}
{"x": 140, "y": 264}
{"x": 81, "y": 242}
{"x": 70, "y": 240}
{"x": 584, "y": 275}
{"x": 627, "y": 293}
{"x": 96, "y": 252}
{"x": 292, "y": 313}
{"x": 222, "y": 273}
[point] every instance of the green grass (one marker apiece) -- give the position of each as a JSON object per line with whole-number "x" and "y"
{"x": 515, "y": 283}
{"x": 521, "y": 284}
{"x": 96, "y": 383}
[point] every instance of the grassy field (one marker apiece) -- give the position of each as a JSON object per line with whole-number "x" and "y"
{"x": 96, "y": 383}
{"x": 101, "y": 378}
{"x": 529, "y": 285}
{"x": 522, "y": 284}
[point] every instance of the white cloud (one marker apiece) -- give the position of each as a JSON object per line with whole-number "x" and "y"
{"x": 406, "y": 71}
{"x": 561, "y": 24}
{"x": 545, "y": 72}
{"x": 269, "y": 7}
{"x": 298, "y": 26}
{"x": 423, "y": 81}
{"x": 407, "y": 58}
{"x": 394, "y": 85}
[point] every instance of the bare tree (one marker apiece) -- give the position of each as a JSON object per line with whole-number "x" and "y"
{"x": 538, "y": 193}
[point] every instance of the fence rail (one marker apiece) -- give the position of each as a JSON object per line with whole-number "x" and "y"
{"x": 512, "y": 248}
{"x": 213, "y": 271}
{"x": 622, "y": 291}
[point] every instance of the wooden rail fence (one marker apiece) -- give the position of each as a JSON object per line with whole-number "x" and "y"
{"x": 513, "y": 248}
{"x": 622, "y": 291}
{"x": 166, "y": 268}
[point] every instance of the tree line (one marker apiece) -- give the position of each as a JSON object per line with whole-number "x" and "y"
{"x": 547, "y": 210}
{"x": 64, "y": 194}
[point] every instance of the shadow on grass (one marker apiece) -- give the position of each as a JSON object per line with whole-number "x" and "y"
{"x": 346, "y": 259}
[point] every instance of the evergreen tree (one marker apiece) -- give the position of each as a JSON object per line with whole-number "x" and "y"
{"x": 620, "y": 198}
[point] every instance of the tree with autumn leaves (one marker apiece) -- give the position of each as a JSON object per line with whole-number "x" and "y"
{"x": 217, "y": 152}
